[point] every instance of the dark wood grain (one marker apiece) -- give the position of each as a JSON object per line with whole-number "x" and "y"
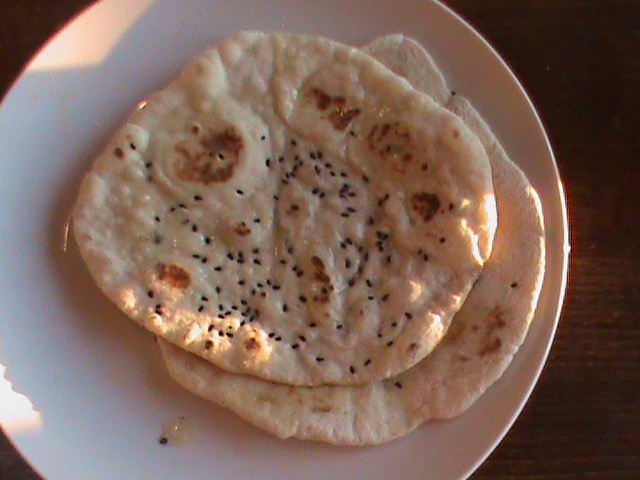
{"x": 580, "y": 62}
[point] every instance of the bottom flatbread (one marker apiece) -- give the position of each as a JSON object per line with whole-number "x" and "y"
{"x": 484, "y": 336}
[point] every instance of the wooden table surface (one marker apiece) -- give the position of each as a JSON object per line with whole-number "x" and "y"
{"x": 580, "y": 62}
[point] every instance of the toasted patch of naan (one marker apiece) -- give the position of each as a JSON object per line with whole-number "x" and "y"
{"x": 290, "y": 209}
{"x": 483, "y": 338}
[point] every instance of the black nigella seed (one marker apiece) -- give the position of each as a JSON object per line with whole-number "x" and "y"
{"x": 303, "y": 299}
{"x": 313, "y": 325}
{"x": 343, "y": 174}
{"x": 369, "y": 283}
{"x": 230, "y": 256}
{"x": 345, "y": 215}
{"x": 150, "y": 294}
{"x": 230, "y": 335}
{"x": 267, "y": 162}
{"x": 351, "y": 282}
{"x": 281, "y": 159}
{"x": 234, "y": 307}
{"x": 398, "y": 385}
{"x": 243, "y": 302}
{"x": 218, "y": 290}
{"x": 389, "y": 343}
{"x": 256, "y": 261}
{"x": 211, "y": 327}
{"x": 207, "y": 240}
{"x": 319, "y": 359}
{"x": 256, "y": 220}
{"x": 371, "y": 297}
{"x": 218, "y": 268}
{"x": 204, "y": 260}
{"x": 221, "y": 307}
{"x": 276, "y": 287}
{"x": 278, "y": 338}
{"x": 319, "y": 155}
{"x": 317, "y": 169}
{"x": 294, "y": 143}
{"x": 195, "y": 255}
{"x": 148, "y": 164}
{"x": 183, "y": 206}
{"x": 394, "y": 324}
{"x": 385, "y": 297}
{"x": 370, "y": 221}
{"x": 389, "y": 259}
{"x": 159, "y": 309}
{"x": 197, "y": 198}
{"x": 271, "y": 335}
{"x": 204, "y": 298}
{"x": 263, "y": 137}
{"x": 312, "y": 155}
{"x": 194, "y": 228}
{"x": 276, "y": 197}
{"x": 201, "y": 308}
{"x": 352, "y": 369}
{"x": 163, "y": 440}
{"x": 259, "y": 285}
{"x": 514, "y": 284}
{"x": 322, "y": 195}
{"x": 367, "y": 362}
{"x": 339, "y": 326}
{"x": 295, "y": 207}
{"x": 157, "y": 219}
{"x": 285, "y": 308}
{"x": 347, "y": 263}
{"x": 241, "y": 282}
{"x": 302, "y": 338}
{"x": 295, "y": 346}
{"x": 239, "y": 192}
{"x": 220, "y": 333}
{"x": 443, "y": 240}
{"x": 408, "y": 315}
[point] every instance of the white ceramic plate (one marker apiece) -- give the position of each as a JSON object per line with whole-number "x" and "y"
{"x": 94, "y": 393}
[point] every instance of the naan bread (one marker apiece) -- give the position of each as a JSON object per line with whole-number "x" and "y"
{"x": 290, "y": 209}
{"x": 483, "y": 338}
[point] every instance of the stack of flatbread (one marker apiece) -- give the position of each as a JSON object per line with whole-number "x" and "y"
{"x": 323, "y": 238}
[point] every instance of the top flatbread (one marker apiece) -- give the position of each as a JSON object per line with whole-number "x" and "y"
{"x": 479, "y": 346}
{"x": 290, "y": 209}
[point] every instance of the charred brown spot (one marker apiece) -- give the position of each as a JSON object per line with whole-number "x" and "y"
{"x": 317, "y": 262}
{"x": 119, "y": 153}
{"x": 340, "y": 116}
{"x": 321, "y": 409}
{"x": 340, "y": 119}
{"x": 425, "y": 204}
{"x": 252, "y": 344}
{"x": 323, "y": 101}
{"x": 242, "y": 229}
{"x": 491, "y": 346}
{"x": 173, "y": 275}
{"x": 456, "y": 133}
{"x": 392, "y": 142}
{"x": 412, "y": 347}
{"x": 213, "y": 165}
